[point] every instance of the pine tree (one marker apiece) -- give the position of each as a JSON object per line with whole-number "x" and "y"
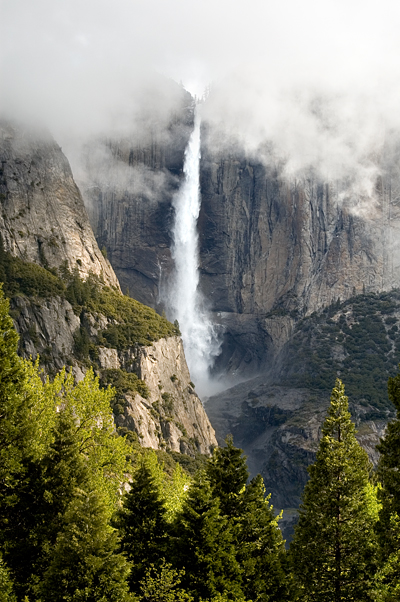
{"x": 388, "y": 527}
{"x": 257, "y": 539}
{"x": 85, "y": 565}
{"x": 15, "y": 424}
{"x": 43, "y": 495}
{"x": 260, "y": 548}
{"x": 161, "y": 584}
{"x": 228, "y": 474}
{"x": 6, "y": 585}
{"x": 204, "y": 546}
{"x": 142, "y": 523}
{"x": 334, "y": 545}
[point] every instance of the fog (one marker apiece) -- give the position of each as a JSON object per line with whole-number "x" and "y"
{"x": 319, "y": 79}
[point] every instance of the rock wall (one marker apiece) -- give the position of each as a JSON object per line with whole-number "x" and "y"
{"x": 44, "y": 221}
{"x": 43, "y": 218}
{"x": 171, "y": 417}
{"x": 273, "y": 250}
{"x": 130, "y": 209}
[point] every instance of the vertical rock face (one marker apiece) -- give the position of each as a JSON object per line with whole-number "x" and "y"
{"x": 43, "y": 218}
{"x": 274, "y": 249}
{"x": 44, "y": 221}
{"x": 172, "y": 416}
{"x": 129, "y": 184}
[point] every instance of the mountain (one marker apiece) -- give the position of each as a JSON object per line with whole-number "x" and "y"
{"x": 67, "y": 305}
{"x": 276, "y": 254}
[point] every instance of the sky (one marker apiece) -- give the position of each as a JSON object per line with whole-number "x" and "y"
{"x": 320, "y": 79}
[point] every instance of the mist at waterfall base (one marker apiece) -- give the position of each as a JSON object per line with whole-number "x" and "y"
{"x": 184, "y": 300}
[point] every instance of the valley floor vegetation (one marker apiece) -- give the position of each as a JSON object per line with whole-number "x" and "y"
{"x": 87, "y": 516}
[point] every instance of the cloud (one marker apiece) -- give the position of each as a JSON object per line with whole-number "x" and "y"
{"x": 317, "y": 80}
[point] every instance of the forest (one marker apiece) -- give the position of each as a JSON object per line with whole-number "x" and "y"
{"x": 86, "y": 514}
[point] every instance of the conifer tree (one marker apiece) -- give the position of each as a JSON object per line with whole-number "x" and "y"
{"x": 42, "y": 497}
{"x": 6, "y": 585}
{"x": 142, "y": 523}
{"x": 257, "y": 540}
{"x": 388, "y": 527}
{"x": 334, "y": 545}
{"x": 260, "y": 548}
{"x": 15, "y": 424}
{"x": 204, "y": 545}
{"x": 86, "y": 565}
{"x": 228, "y": 474}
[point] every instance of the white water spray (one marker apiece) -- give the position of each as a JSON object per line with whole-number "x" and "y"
{"x": 186, "y": 302}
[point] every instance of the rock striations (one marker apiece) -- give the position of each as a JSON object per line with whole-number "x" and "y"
{"x": 43, "y": 218}
{"x": 128, "y": 187}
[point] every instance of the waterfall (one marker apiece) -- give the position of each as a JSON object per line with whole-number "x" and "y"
{"x": 186, "y": 302}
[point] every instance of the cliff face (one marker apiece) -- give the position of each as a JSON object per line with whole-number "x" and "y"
{"x": 128, "y": 187}
{"x": 273, "y": 250}
{"x": 172, "y": 416}
{"x": 44, "y": 221}
{"x": 43, "y": 218}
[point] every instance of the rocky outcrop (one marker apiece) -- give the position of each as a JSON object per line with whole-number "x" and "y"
{"x": 43, "y": 218}
{"x": 172, "y": 416}
{"x": 44, "y": 221}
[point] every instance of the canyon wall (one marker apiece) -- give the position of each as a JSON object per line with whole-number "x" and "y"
{"x": 128, "y": 187}
{"x": 44, "y": 223}
{"x": 272, "y": 248}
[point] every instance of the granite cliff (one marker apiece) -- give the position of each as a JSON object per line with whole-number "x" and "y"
{"x": 128, "y": 186}
{"x": 272, "y": 249}
{"x": 43, "y": 218}
{"x": 67, "y": 305}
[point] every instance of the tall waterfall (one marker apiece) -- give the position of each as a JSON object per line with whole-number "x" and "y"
{"x": 185, "y": 300}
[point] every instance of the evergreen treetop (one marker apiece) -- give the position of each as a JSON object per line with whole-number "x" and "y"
{"x": 228, "y": 474}
{"x": 334, "y": 548}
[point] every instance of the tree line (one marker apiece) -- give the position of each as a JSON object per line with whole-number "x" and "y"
{"x": 85, "y": 518}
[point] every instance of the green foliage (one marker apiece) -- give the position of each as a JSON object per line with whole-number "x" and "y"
{"x": 42, "y": 497}
{"x": 260, "y": 548}
{"x": 142, "y": 521}
{"x": 357, "y": 340}
{"x": 388, "y": 527}
{"x": 21, "y": 277}
{"x": 190, "y": 464}
{"x": 123, "y": 382}
{"x": 160, "y": 584}
{"x": 256, "y": 537}
{"x": 86, "y": 565}
{"x": 136, "y": 323}
{"x": 228, "y": 475}
{"x": 203, "y": 543}
{"x": 16, "y": 426}
{"x": 334, "y": 548}
{"x": 6, "y": 585}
